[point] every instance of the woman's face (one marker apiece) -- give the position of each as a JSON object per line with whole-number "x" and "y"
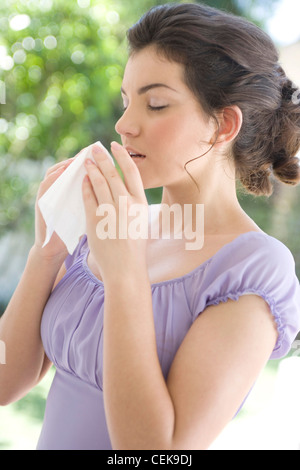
{"x": 162, "y": 119}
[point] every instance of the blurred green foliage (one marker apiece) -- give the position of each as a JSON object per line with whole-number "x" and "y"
{"x": 62, "y": 63}
{"x": 62, "y": 76}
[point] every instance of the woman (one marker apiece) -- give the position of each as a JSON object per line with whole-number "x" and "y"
{"x": 157, "y": 346}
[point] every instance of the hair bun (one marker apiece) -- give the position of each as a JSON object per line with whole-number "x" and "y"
{"x": 287, "y": 140}
{"x": 287, "y": 170}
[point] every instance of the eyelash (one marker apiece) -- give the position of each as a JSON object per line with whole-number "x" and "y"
{"x": 151, "y": 108}
{"x": 156, "y": 108}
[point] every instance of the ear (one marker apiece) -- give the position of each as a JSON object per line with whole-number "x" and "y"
{"x": 230, "y": 122}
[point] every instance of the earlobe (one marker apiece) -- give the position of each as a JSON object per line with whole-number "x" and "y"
{"x": 230, "y": 122}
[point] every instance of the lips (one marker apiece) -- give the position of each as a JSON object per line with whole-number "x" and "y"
{"x": 135, "y": 153}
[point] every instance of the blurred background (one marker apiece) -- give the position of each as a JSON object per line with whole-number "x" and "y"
{"x": 61, "y": 67}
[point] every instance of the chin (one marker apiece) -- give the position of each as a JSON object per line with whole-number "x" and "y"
{"x": 150, "y": 184}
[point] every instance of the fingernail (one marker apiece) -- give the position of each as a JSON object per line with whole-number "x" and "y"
{"x": 89, "y": 162}
{"x": 97, "y": 149}
{"x": 115, "y": 145}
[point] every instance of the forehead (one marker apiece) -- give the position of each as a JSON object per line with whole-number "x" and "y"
{"x": 147, "y": 66}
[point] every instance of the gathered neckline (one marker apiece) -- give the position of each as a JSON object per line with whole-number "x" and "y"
{"x": 201, "y": 266}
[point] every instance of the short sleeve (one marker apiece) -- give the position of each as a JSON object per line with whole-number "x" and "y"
{"x": 82, "y": 245}
{"x": 261, "y": 265}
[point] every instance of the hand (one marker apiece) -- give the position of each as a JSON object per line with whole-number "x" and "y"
{"x": 55, "y": 248}
{"x": 103, "y": 188}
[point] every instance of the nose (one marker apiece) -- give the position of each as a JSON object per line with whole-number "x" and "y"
{"x": 128, "y": 125}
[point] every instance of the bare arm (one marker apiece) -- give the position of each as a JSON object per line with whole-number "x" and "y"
{"x": 216, "y": 366}
{"x": 213, "y": 371}
{"x": 26, "y": 362}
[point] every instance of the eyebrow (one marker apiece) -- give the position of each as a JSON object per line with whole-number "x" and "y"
{"x": 146, "y": 88}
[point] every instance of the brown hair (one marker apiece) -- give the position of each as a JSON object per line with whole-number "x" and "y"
{"x": 230, "y": 61}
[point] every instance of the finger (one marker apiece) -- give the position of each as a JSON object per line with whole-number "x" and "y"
{"x": 110, "y": 173}
{"x": 89, "y": 200}
{"x": 98, "y": 182}
{"x": 132, "y": 177}
{"x": 49, "y": 180}
{"x": 63, "y": 164}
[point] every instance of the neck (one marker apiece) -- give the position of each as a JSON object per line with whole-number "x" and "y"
{"x": 217, "y": 194}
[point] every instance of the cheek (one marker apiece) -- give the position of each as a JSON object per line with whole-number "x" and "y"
{"x": 174, "y": 123}
{"x": 176, "y": 137}
{"x": 166, "y": 133}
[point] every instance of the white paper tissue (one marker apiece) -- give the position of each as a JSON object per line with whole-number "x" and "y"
{"x": 62, "y": 205}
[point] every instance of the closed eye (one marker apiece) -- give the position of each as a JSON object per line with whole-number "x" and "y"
{"x": 151, "y": 108}
{"x": 156, "y": 108}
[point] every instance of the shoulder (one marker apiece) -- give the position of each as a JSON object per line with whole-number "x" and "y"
{"x": 253, "y": 260}
{"x": 229, "y": 344}
{"x": 254, "y": 248}
{"x": 257, "y": 264}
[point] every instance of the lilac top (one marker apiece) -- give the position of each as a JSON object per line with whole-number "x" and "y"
{"x": 72, "y": 326}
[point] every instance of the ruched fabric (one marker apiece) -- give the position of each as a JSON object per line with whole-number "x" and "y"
{"x": 72, "y": 327}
